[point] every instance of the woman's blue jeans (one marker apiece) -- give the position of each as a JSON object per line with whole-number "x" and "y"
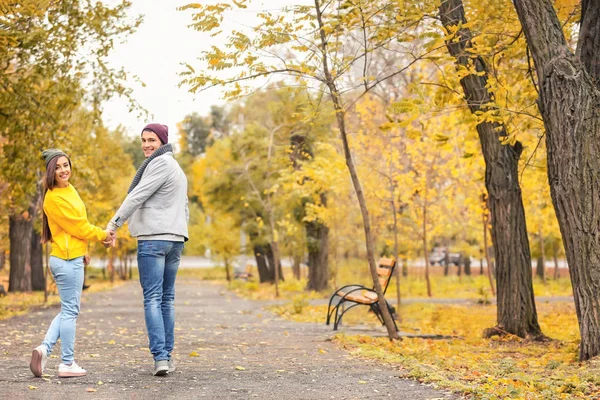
{"x": 68, "y": 275}
{"x": 158, "y": 262}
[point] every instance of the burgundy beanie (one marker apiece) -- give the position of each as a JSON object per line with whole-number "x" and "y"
{"x": 162, "y": 131}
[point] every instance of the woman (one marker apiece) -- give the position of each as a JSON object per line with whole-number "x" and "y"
{"x": 65, "y": 225}
{"x": 157, "y": 209}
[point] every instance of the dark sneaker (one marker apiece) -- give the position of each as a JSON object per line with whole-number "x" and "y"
{"x": 161, "y": 367}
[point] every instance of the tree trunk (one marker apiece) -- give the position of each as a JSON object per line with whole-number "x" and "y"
{"x": 317, "y": 233}
{"x": 19, "y": 233}
{"x": 47, "y": 270}
{"x": 481, "y": 258}
{"x": 296, "y": 260}
{"x": 38, "y": 281}
{"x": 341, "y": 123}
{"x": 446, "y": 262}
{"x": 111, "y": 265}
{"x": 515, "y": 301}
{"x": 426, "y": 251}
{"x": 541, "y": 267}
{"x": 227, "y": 272}
{"x": 467, "y": 264}
{"x": 265, "y": 274}
{"x": 277, "y": 275}
{"x": 2, "y": 259}
{"x": 317, "y": 241}
{"x": 396, "y": 255}
{"x": 555, "y": 256}
{"x": 568, "y": 102}
{"x": 488, "y": 261}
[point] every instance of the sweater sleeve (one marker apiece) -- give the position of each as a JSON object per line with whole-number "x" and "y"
{"x": 154, "y": 177}
{"x": 66, "y": 217}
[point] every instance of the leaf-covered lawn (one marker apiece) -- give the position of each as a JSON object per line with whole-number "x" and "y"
{"x": 484, "y": 368}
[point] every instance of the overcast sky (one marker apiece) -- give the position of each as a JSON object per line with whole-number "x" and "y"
{"x": 154, "y": 54}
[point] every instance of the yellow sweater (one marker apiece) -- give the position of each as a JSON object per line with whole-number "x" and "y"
{"x": 68, "y": 223}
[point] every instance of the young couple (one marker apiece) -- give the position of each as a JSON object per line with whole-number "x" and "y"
{"x": 157, "y": 209}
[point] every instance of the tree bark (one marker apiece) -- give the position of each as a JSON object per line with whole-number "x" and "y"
{"x": 467, "y": 264}
{"x": 19, "y": 233}
{"x": 2, "y": 259}
{"x": 265, "y": 274}
{"x": 273, "y": 263}
{"x": 317, "y": 233}
{"x": 341, "y": 124}
{"x": 396, "y": 251}
{"x": 426, "y": 251}
{"x": 446, "y": 262}
{"x": 569, "y": 100}
{"x": 38, "y": 281}
{"x": 317, "y": 241}
{"x": 488, "y": 261}
{"x": 555, "y": 256}
{"x": 227, "y": 268}
{"x": 296, "y": 260}
{"x": 516, "y": 305}
{"x": 541, "y": 267}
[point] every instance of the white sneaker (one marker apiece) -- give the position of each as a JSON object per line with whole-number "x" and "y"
{"x": 172, "y": 367}
{"x": 39, "y": 358}
{"x": 68, "y": 371}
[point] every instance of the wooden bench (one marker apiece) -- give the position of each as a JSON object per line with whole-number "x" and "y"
{"x": 350, "y": 296}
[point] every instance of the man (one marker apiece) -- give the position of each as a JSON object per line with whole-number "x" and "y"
{"x": 157, "y": 209}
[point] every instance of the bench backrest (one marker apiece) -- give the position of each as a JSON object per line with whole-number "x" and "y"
{"x": 385, "y": 269}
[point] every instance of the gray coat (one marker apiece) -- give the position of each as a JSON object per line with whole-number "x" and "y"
{"x": 158, "y": 205}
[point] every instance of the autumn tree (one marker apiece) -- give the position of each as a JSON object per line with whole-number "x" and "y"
{"x": 516, "y": 314}
{"x": 43, "y": 82}
{"x": 568, "y": 101}
{"x": 326, "y": 43}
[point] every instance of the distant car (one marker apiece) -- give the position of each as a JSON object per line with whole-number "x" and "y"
{"x": 436, "y": 257}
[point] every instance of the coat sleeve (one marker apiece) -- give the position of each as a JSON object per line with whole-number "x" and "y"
{"x": 153, "y": 178}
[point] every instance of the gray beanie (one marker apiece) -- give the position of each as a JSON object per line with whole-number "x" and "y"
{"x": 49, "y": 154}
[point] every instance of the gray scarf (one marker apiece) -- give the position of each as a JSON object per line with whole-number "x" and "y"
{"x": 138, "y": 175}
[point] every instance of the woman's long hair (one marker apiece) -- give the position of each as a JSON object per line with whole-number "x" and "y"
{"x": 49, "y": 183}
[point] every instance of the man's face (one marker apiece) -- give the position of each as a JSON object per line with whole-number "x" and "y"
{"x": 150, "y": 143}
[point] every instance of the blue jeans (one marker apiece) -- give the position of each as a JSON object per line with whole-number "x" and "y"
{"x": 158, "y": 262}
{"x": 68, "y": 275}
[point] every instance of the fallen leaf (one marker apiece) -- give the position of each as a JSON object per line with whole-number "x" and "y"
{"x": 111, "y": 341}
{"x": 240, "y": 368}
{"x": 194, "y": 354}
{"x": 31, "y": 387}
{"x": 90, "y": 390}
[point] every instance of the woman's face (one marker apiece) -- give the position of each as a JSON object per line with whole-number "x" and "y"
{"x": 62, "y": 173}
{"x": 150, "y": 143}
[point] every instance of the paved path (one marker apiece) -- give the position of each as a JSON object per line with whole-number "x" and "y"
{"x": 226, "y": 348}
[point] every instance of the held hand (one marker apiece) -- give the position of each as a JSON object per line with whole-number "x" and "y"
{"x": 86, "y": 260}
{"x": 110, "y": 239}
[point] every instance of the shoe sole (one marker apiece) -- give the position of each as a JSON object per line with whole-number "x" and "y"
{"x": 36, "y": 363}
{"x": 71, "y": 374}
{"x": 161, "y": 372}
